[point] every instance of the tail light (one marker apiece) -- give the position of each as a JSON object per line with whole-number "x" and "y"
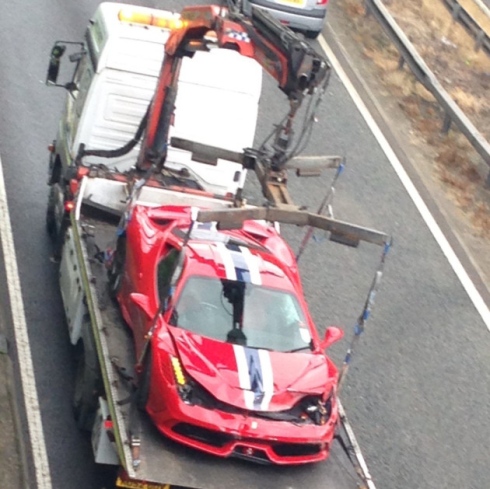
{"x": 69, "y": 205}
{"x": 321, "y": 2}
{"x": 82, "y": 171}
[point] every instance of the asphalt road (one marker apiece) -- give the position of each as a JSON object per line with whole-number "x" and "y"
{"x": 417, "y": 393}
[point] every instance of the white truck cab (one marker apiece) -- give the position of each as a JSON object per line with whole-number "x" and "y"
{"x": 115, "y": 80}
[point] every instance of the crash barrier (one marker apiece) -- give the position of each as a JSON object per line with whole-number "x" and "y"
{"x": 410, "y": 56}
{"x": 459, "y": 13}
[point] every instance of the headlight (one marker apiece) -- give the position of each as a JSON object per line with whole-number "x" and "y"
{"x": 178, "y": 371}
{"x": 183, "y": 387}
{"x": 318, "y": 409}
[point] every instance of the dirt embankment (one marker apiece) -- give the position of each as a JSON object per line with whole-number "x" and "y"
{"x": 449, "y": 51}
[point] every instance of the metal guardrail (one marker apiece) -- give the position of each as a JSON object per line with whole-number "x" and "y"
{"x": 459, "y": 13}
{"x": 410, "y": 56}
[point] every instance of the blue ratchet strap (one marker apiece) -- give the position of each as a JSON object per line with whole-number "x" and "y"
{"x": 366, "y": 313}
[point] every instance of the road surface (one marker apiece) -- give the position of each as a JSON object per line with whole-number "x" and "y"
{"x": 417, "y": 393}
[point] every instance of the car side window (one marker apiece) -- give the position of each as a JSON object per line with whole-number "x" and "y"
{"x": 165, "y": 271}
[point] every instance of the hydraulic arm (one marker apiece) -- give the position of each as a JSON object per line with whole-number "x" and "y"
{"x": 297, "y": 67}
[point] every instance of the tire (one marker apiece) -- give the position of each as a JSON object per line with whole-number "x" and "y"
{"x": 106, "y": 476}
{"x": 87, "y": 388}
{"x": 55, "y": 193}
{"x": 115, "y": 272}
{"x": 312, "y": 34}
{"x": 56, "y": 219}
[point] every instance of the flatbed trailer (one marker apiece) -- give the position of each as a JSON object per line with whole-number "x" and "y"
{"x": 124, "y": 435}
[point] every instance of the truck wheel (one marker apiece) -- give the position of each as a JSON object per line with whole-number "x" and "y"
{"x": 55, "y": 193}
{"x": 56, "y": 219}
{"x": 106, "y": 476}
{"x": 144, "y": 384}
{"x": 115, "y": 272}
{"x": 87, "y": 384}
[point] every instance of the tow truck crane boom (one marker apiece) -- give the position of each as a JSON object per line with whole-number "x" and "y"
{"x": 297, "y": 67}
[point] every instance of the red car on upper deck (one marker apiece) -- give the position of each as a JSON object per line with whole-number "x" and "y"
{"x": 233, "y": 364}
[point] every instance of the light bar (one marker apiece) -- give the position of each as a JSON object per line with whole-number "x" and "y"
{"x": 164, "y": 20}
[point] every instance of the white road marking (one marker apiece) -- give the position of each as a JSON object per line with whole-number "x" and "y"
{"x": 442, "y": 241}
{"x": 355, "y": 446}
{"x": 35, "y": 427}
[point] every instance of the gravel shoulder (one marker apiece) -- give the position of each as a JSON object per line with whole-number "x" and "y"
{"x": 11, "y": 475}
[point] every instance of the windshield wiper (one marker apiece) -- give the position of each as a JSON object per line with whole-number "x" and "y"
{"x": 294, "y": 350}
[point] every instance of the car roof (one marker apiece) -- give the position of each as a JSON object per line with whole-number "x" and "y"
{"x": 246, "y": 254}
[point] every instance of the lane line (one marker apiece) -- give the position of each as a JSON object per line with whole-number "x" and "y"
{"x": 33, "y": 413}
{"x": 355, "y": 446}
{"x": 439, "y": 236}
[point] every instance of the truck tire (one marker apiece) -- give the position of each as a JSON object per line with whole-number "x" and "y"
{"x": 87, "y": 387}
{"x": 56, "y": 219}
{"x": 55, "y": 193}
{"x": 106, "y": 476}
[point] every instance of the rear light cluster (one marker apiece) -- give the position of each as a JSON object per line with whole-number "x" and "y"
{"x": 321, "y": 2}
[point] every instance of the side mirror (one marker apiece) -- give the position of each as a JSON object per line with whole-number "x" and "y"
{"x": 143, "y": 303}
{"x": 54, "y": 64}
{"x": 57, "y": 53}
{"x": 332, "y": 335}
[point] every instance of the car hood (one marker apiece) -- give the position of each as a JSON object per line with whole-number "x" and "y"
{"x": 251, "y": 378}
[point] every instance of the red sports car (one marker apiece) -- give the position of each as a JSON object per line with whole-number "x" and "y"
{"x": 234, "y": 365}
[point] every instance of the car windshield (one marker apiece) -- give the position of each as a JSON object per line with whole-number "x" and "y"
{"x": 242, "y": 313}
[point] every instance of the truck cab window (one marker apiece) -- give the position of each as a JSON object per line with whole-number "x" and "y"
{"x": 82, "y": 80}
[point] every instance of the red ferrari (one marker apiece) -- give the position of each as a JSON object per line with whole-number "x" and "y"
{"x": 233, "y": 364}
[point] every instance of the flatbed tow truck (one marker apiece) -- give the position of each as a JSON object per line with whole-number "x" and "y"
{"x": 98, "y": 202}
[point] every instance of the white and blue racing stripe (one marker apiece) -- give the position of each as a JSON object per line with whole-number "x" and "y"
{"x": 252, "y": 263}
{"x": 227, "y": 261}
{"x": 255, "y": 377}
{"x": 239, "y": 263}
{"x": 267, "y": 378}
{"x": 243, "y": 375}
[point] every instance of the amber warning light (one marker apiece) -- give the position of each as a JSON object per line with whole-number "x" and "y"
{"x": 165, "y": 21}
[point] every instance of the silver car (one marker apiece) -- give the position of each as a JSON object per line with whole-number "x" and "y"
{"x": 307, "y": 16}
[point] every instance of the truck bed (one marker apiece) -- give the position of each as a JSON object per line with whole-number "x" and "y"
{"x": 162, "y": 460}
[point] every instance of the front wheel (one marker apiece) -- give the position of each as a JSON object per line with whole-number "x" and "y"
{"x": 56, "y": 219}
{"x": 53, "y": 218}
